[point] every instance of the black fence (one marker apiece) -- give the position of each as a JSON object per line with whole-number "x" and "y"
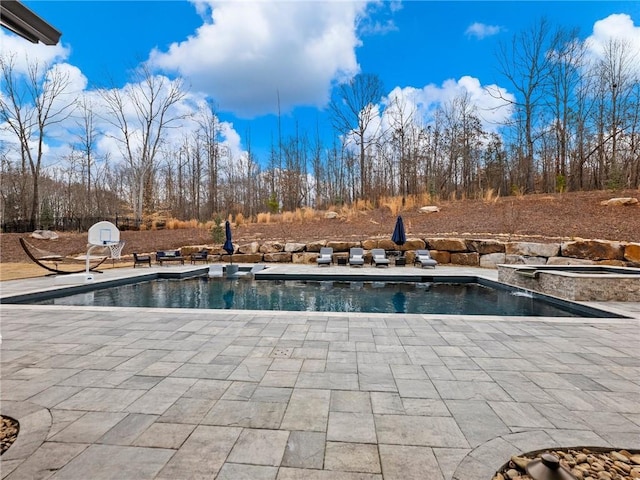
{"x": 69, "y": 224}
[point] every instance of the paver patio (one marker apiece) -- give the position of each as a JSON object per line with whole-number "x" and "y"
{"x": 138, "y": 393}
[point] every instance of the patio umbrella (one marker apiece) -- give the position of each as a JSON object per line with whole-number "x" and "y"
{"x": 399, "y": 237}
{"x": 228, "y": 244}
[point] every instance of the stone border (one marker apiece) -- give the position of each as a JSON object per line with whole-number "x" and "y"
{"x": 35, "y": 423}
{"x": 486, "y": 459}
{"x": 486, "y": 253}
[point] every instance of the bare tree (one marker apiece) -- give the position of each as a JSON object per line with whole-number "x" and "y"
{"x": 141, "y": 114}
{"x": 526, "y": 64}
{"x": 353, "y": 110}
{"x": 29, "y": 106}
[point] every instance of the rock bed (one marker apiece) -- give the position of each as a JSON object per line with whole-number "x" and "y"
{"x": 8, "y": 432}
{"x": 583, "y": 463}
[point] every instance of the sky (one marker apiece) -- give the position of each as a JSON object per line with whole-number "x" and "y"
{"x": 255, "y": 59}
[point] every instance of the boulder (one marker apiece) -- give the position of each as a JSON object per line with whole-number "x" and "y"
{"x": 293, "y": 247}
{"x": 342, "y": 246}
{"x": 529, "y": 249}
{"x": 429, "y": 209}
{"x": 316, "y": 246}
{"x": 485, "y": 247}
{"x": 490, "y": 260}
{"x": 632, "y": 252}
{"x": 277, "y": 257}
{"x": 471, "y": 259}
{"x": 448, "y": 244}
{"x": 331, "y": 215}
{"x": 593, "y": 250}
{"x": 387, "y": 244}
{"x": 271, "y": 247}
{"x": 189, "y": 249}
{"x": 44, "y": 235}
{"x": 243, "y": 258}
{"x": 620, "y": 202}
{"x": 568, "y": 261}
{"x": 370, "y": 244}
{"x": 524, "y": 260}
{"x": 441, "y": 256}
{"x": 413, "y": 244}
{"x": 253, "y": 247}
{"x": 306, "y": 258}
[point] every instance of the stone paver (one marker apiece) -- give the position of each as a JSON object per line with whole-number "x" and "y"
{"x": 125, "y": 393}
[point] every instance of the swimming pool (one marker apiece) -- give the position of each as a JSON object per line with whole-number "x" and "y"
{"x": 468, "y": 298}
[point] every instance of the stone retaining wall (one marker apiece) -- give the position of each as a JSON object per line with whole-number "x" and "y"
{"x": 486, "y": 253}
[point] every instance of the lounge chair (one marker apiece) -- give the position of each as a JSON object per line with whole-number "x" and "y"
{"x": 379, "y": 257}
{"x": 141, "y": 260}
{"x": 356, "y": 257}
{"x": 423, "y": 257}
{"x": 325, "y": 257}
{"x": 202, "y": 256}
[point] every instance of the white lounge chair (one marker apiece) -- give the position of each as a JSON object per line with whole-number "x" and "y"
{"x": 356, "y": 257}
{"x": 325, "y": 257}
{"x": 423, "y": 257}
{"x": 379, "y": 257}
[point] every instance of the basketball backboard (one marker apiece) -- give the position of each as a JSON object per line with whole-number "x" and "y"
{"x": 103, "y": 233}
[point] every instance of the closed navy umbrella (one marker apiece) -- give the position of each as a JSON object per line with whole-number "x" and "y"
{"x": 228, "y": 244}
{"x": 399, "y": 237}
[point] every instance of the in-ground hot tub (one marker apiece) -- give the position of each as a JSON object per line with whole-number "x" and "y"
{"x": 586, "y": 283}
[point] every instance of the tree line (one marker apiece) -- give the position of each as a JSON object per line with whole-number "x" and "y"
{"x": 574, "y": 125}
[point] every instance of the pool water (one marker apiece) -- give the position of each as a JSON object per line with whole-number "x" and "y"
{"x": 318, "y": 296}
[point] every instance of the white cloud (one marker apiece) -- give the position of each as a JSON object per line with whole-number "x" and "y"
{"x": 482, "y": 30}
{"x": 492, "y": 110}
{"x": 248, "y": 53}
{"x": 617, "y": 27}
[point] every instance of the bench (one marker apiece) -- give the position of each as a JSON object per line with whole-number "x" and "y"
{"x": 169, "y": 256}
{"x": 141, "y": 260}
{"x": 202, "y": 255}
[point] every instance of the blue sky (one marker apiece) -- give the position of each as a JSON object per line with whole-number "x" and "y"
{"x": 244, "y": 54}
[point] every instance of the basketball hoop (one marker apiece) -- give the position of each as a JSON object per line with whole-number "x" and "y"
{"x": 116, "y": 249}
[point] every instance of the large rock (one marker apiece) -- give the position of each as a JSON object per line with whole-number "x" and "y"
{"x": 632, "y": 252}
{"x": 620, "y": 202}
{"x": 316, "y": 246}
{"x": 414, "y": 244}
{"x": 278, "y": 257}
{"x": 524, "y": 260}
{"x": 271, "y": 247}
{"x": 529, "y": 249}
{"x": 593, "y": 250}
{"x": 370, "y": 244}
{"x": 306, "y": 258}
{"x": 490, "y": 260}
{"x": 471, "y": 259}
{"x": 44, "y": 235}
{"x": 331, "y": 215}
{"x": 568, "y": 261}
{"x": 429, "y": 209}
{"x": 253, "y": 247}
{"x": 387, "y": 244}
{"x": 448, "y": 244}
{"x": 485, "y": 247}
{"x": 342, "y": 246}
{"x": 293, "y": 247}
{"x": 243, "y": 258}
{"x": 441, "y": 256}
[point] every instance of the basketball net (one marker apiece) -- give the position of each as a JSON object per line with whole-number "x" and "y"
{"x": 116, "y": 250}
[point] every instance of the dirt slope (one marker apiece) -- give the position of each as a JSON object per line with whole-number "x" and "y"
{"x": 541, "y": 218}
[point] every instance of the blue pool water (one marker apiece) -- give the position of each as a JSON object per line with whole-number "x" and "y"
{"x": 318, "y": 296}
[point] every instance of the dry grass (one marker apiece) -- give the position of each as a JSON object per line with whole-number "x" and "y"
{"x": 19, "y": 271}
